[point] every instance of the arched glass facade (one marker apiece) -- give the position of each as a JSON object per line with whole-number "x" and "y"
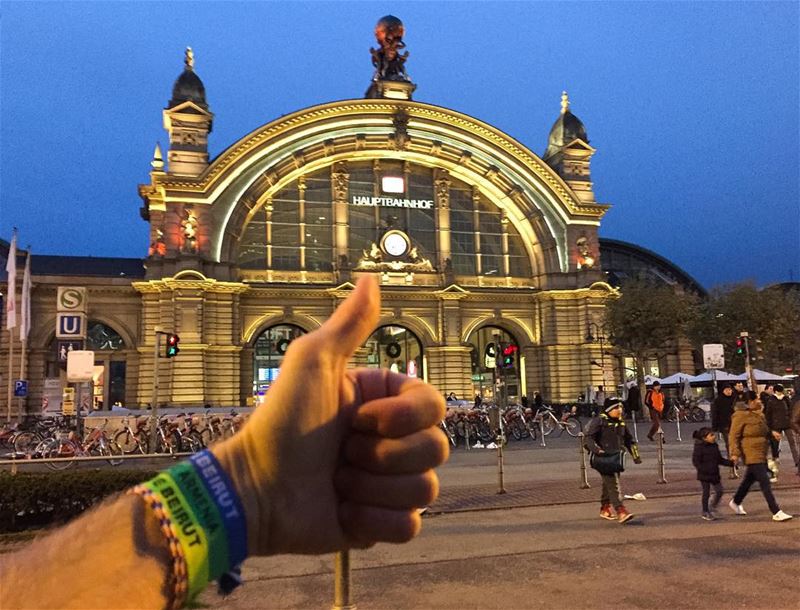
{"x": 294, "y": 229}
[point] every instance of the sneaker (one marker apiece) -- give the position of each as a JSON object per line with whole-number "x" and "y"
{"x": 781, "y": 516}
{"x": 737, "y": 508}
{"x": 607, "y": 513}
{"x": 623, "y": 515}
{"x": 708, "y": 517}
{"x": 773, "y": 479}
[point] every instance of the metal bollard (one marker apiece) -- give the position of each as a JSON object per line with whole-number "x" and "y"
{"x": 584, "y": 472}
{"x": 341, "y": 585}
{"x": 678, "y": 425}
{"x": 661, "y": 465}
{"x": 635, "y": 429}
{"x": 500, "y": 464}
{"x": 541, "y": 430}
{"x": 466, "y": 434}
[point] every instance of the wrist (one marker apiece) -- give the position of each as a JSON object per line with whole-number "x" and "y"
{"x": 234, "y": 459}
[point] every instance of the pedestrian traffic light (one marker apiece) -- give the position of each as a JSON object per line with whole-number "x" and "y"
{"x": 759, "y": 351}
{"x": 509, "y": 351}
{"x": 172, "y": 345}
{"x": 740, "y": 346}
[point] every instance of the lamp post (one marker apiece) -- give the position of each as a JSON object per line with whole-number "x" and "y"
{"x": 601, "y": 338}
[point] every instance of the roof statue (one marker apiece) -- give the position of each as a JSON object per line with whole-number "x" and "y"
{"x": 188, "y": 86}
{"x": 389, "y": 62}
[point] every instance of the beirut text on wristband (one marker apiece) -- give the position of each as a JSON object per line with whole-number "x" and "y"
{"x": 221, "y": 490}
{"x": 187, "y": 526}
{"x": 193, "y": 489}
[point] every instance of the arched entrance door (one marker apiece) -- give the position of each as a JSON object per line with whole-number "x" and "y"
{"x": 110, "y": 366}
{"x": 268, "y": 352}
{"x": 495, "y": 364}
{"x": 395, "y": 348}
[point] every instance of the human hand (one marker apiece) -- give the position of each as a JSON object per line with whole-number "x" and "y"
{"x": 776, "y": 435}
{"x": 337, "y": 458}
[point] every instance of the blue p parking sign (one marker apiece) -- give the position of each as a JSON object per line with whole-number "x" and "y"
{"x": 20, "y": 388}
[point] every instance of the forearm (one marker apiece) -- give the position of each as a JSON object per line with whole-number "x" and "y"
{"x": 119, "y": 544}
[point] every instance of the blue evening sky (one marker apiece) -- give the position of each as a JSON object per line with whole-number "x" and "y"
{"x": 692, "y": 106}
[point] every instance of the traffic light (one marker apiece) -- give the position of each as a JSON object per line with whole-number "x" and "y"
{"x": 740, "y": 346}
{"x": 759, "y": 351}
{"x": 172, "y": 348}
{"x": 509, "y": 351}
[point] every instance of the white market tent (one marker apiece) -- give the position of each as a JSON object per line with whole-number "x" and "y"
{"x": 761, "y": 376}
{"x": 648, "y": 380}
{"x": 676, "y": 379}
{"x": 707, "y": 377}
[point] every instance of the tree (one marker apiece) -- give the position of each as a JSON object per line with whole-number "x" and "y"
{"x": 771, "y": 317}
{"x": 646, "y": 320}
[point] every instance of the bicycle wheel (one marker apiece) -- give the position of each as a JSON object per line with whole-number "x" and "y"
{"x": 111, "y": 448}
{"x": 126, "y": 441}
{"x": 573, "y": 426}
{"x": 548, "y": 424}
{"x": 516, "y": 430}
{"x": 25, "y": 442}
{"x": 697, "y": 414}
{"x": 58, "y": 448}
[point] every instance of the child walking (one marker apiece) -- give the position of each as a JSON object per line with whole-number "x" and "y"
{"x": 707, "y": 459}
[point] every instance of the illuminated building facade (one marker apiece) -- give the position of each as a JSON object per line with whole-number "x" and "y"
{"x": 476, "y": 240}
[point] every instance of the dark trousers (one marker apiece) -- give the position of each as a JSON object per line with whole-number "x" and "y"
{"x": 757, "y": 472}
{"x": 707, "y": 485}
{"x": 612, "y": 493}
{"x": 655, "y": 416}
{"x": 775, "y": 446}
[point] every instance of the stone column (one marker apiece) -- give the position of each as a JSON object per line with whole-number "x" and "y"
{"x": 442, "y": 217}
{"x": 340, "y": 186}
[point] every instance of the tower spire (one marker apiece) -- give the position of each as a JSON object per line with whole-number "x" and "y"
{"x": 564, "y": 102}
{"x": 189, "y": 59}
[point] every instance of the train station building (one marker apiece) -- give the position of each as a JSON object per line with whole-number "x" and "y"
{"x": 479, "y": 243}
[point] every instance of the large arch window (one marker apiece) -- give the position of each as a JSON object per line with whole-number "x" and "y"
{"x": 293, "y": 230}
{"x": 268, "y": 352}
{"x": 395, "y": 348}
{"x": 487, "y": 359}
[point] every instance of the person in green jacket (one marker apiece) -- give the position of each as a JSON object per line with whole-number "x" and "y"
{"x": 749, "y": 440}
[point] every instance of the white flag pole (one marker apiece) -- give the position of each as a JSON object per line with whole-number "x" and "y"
{"x": 25, "y": 324}
{"x": 11, "y": 314}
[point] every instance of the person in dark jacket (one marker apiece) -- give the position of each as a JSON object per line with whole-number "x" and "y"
{"x": 707, "y": 458}
{"x": 721, "y": 413}
{"x": 778, "y": 412}
{"x": 608, "y": 435}
{"x": 633, "y": 404}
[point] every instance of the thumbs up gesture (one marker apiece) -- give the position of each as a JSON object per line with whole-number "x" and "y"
{"x": 337, "y": 458}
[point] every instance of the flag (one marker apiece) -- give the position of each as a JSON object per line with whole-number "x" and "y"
{"x": 11, "y": 296}
{"x": 25, "y": 301}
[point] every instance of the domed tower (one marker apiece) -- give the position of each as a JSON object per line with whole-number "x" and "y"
{"x": 188, "y": 121}
{"x": 568, "y": 152}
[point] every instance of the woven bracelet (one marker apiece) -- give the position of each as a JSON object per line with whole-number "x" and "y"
{"x": 179, "y": 570}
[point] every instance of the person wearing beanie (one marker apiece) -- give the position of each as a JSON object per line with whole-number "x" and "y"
{"x": 607, "y": 440}
{"x": 748, "y": 441}
{"x": 707, "y": 458}
{"x": 721, "y": 413}
{"x": 778, "y": 412}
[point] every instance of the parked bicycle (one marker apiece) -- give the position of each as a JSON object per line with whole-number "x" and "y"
{"x": 685, "y": 411}
{"x": 546, "y": 419}
{"x": 65, "y": 444}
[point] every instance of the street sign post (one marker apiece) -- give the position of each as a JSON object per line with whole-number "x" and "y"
{"x": 713, "y": 356}
{"x": 20, "y": 388}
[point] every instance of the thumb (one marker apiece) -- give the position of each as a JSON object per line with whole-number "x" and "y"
{"x": 354, "y": 320}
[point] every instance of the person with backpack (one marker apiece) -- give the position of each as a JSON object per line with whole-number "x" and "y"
{"x": 706, "y": 458}
{"x": 777, "y": 411}
{"x": 654, "y": 399}
{"x": 607, "y": 440}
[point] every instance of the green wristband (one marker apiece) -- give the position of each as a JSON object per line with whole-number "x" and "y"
{"x": 187, "y": 479}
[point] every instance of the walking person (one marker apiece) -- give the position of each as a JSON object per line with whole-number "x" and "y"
{"x": 721, "y": 413}
{"x": 607, "y": 439}
{"x": 654, "y": 399}
{"x": 748, "y": 440}
{"x": 777, "y": 412}
{"x": 707, "y": 458}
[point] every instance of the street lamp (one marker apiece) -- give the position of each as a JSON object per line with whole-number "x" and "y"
{"x": 601, "y": 338}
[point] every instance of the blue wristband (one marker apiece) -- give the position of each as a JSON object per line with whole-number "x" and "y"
{"x": 221, "y": 490}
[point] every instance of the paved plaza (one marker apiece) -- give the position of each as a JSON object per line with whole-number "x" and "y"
{"x": 542, "y": 545}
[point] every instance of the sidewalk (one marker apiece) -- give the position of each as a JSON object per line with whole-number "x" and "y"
{"x": 554, "y": 492}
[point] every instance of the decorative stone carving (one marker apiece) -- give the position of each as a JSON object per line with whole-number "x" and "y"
{"x": 442, "y": 185}
{"x": 157, "y": 246}
{"x": 341, "y": 182}
{"x": 189, "y": 226}
{"x": 401, "y": 138}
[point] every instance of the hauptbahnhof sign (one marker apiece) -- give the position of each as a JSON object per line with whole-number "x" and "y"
{"x": 390, "y": 202}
